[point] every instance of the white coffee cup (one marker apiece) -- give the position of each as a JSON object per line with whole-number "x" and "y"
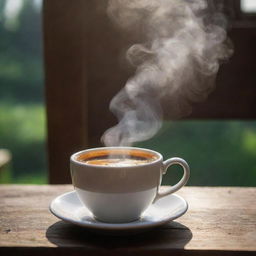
{"x": 116, "y": 192}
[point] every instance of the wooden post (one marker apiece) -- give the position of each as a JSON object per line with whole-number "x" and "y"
{"x": 65, "y": 82}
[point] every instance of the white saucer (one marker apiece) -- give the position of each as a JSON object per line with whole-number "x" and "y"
{"x": 69, "y": 208}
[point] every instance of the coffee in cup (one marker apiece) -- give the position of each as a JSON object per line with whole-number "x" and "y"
{"x": 118, "y": 158}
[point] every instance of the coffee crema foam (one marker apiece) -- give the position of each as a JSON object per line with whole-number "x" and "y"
{"x": 118, "y": 162}
{"x": 117, "y": 158}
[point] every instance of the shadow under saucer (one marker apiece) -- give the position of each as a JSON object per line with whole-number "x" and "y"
{"x": 172, "y": 235}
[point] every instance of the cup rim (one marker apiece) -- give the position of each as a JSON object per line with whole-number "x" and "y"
{"x": 74, "y": 160}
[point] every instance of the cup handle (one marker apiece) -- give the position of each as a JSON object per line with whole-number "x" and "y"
{"x": 181, "y": 183}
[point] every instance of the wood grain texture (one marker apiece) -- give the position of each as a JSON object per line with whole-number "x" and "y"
{"x": 65, "y": 44}
{"x": 220, "y": 221}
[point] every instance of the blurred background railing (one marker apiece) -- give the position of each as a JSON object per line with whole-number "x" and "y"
{"x": 218, "y": 140}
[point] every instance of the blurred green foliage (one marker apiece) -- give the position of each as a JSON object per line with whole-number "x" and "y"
{"x": 23, "y": 133}
{"x": 219, "y": 152}
{"x": 22, "y": 114}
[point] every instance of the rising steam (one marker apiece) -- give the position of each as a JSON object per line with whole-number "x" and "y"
{"x": 185, "y": 40}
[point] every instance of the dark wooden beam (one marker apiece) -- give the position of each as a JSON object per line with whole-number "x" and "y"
{"x": 235, "y": 93}
{"x": 65, "y": 44}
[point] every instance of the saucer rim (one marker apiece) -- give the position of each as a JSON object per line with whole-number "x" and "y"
{"x": 117, "y": 226}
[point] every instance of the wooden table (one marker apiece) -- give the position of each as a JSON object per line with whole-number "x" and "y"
{"x": 220, "y": 221}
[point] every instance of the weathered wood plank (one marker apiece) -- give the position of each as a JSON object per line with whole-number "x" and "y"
{"x": 219, "y": 220}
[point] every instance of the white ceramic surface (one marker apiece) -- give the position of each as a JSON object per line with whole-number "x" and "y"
{"x": 69, "y": 208}
{"x": 121, "y": 193}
